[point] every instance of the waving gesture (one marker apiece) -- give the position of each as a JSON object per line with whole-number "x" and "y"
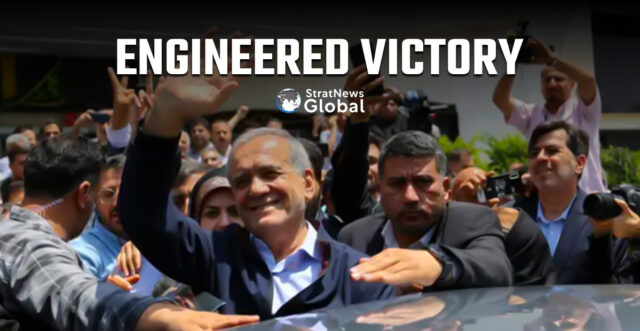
{"x": 180, "y": 99}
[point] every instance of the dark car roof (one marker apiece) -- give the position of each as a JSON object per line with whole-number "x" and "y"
{"x": 588, "y": 307}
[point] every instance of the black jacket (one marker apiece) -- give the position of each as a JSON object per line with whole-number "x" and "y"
{"x": 580, "y": 257}
{"x": 223, "y": 263}
{"x": 350, "y": 165}
{"x": 468, "y": 234}
{"x": 529, "y": 253}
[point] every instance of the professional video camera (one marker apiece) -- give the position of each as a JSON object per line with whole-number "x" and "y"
{"x": 525, "y": 55}
{"x": 601, "y": 206}
{"x": 420, "y": 114}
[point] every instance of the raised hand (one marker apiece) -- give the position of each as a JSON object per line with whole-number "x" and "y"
{"x": 180, "y": 99}
{"x": 129, "y": 261}
{"x": 542, "y": 54}
{"x": 83, "y": 120}
{"x": 358, "y": 80}
{"x": 123, "y": 97}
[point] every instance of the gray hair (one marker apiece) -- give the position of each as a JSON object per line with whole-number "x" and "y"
{"x": 297, "y": 154}
{"x": 413, "y": 144}
{"x": 17, "y": 139}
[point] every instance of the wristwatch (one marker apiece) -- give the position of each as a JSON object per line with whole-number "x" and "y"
{"x": 552, "y": 62}
{"x": 448, "y": 275}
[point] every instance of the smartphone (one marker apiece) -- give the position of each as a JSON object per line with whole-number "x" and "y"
{"x": 100, "y": 117}
{"x": 357, "y": 59}
{"x": 506, "y": 184}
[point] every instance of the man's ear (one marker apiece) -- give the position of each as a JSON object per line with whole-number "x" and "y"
{"x": 310, "y": 185}
{"x": 83, "y": 196}
{"x": 446, "y": 183}
{"x": 581, "y": 163}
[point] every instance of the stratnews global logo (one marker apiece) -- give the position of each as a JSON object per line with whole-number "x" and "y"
{"x": 289, "y": 101}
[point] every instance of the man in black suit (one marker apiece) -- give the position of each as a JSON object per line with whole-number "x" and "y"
{"x": 557, "y": 156}
{"x": 422, "y": 239}
{"x": 525, "y": 244}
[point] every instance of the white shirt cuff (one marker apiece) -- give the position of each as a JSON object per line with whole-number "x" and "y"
{"x": 119, "y": 138}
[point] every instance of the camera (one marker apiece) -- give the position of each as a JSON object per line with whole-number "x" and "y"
{"x": 420, "y": 113}
{"x": 601, "y": 206}
{"x": 506, "y": 184}
{"x": 525, "y": 55}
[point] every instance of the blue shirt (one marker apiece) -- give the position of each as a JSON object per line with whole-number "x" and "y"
{"x": 294, "y": 273}
{"x": 552, "y": 229}
{"x": 98, "y": 249}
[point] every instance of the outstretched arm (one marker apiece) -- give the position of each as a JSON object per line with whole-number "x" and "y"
{"x": 586, "y": 81}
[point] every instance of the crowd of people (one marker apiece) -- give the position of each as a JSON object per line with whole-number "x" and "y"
{"x": 166, "y": 221}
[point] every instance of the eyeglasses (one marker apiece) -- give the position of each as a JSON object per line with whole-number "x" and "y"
{"x": 108, "y": 195}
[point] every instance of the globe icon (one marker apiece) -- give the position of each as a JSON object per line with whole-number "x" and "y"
{"x": 288, "y": 100}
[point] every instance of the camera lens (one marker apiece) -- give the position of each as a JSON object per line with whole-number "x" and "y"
{"x": 601, "y": 206}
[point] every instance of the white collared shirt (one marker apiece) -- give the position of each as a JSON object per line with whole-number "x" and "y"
{"x": 294, "y": 273}
{"x": 390, "y": 238}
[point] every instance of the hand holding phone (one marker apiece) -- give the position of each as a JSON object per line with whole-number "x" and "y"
{"x": 100, "y": 118}
{"x": 357, "y": 59}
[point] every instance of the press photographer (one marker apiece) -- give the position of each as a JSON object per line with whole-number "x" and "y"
{"x": 557, "y": 158}
{"x": 558, "y": 80}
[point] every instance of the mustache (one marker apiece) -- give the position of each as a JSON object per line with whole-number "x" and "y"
{"x": 412, "y": 211}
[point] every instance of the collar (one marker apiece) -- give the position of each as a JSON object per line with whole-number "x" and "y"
{"x": 110, "y": 238}
{"x": 25, "y": 215}
{"x": 562, "y": 113}
{"x": 308, "y": 250}
{"x": 564, "y": 215}
{"x": 390, "y": 238}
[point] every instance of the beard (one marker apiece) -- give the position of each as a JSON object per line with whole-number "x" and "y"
{"x": 425, "y": 221}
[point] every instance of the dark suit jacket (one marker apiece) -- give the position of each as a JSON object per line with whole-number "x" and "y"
{"x": 581, "y": 258}
{"x": 529, "y": 253}
{"x": 223, "y": 263}
{"x": 469, "y": 234}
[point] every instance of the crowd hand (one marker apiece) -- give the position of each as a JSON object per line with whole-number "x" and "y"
{"x": 473, "y": 183}
{"x": 125, "y": 283}
{"x": 163, "y": 316}
{"x": 358, "y": 80}
{"x": 242, "y": 112}
{"x": 625, "y": 225}
{"x": 129, "y": 260}
{"x": 146, "y": 96}
{"x": 397, "y": 266}
{"x": 529, "y": 188}
{"x": 406, "y": 313}
{"x": 542, "y": 54}
{"x": 83, "y": 120}
{"x": 179, "y": 99}
{"x": 123, "y": 100}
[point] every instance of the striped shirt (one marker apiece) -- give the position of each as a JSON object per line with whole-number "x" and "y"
{"x": 43, "y": 284}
